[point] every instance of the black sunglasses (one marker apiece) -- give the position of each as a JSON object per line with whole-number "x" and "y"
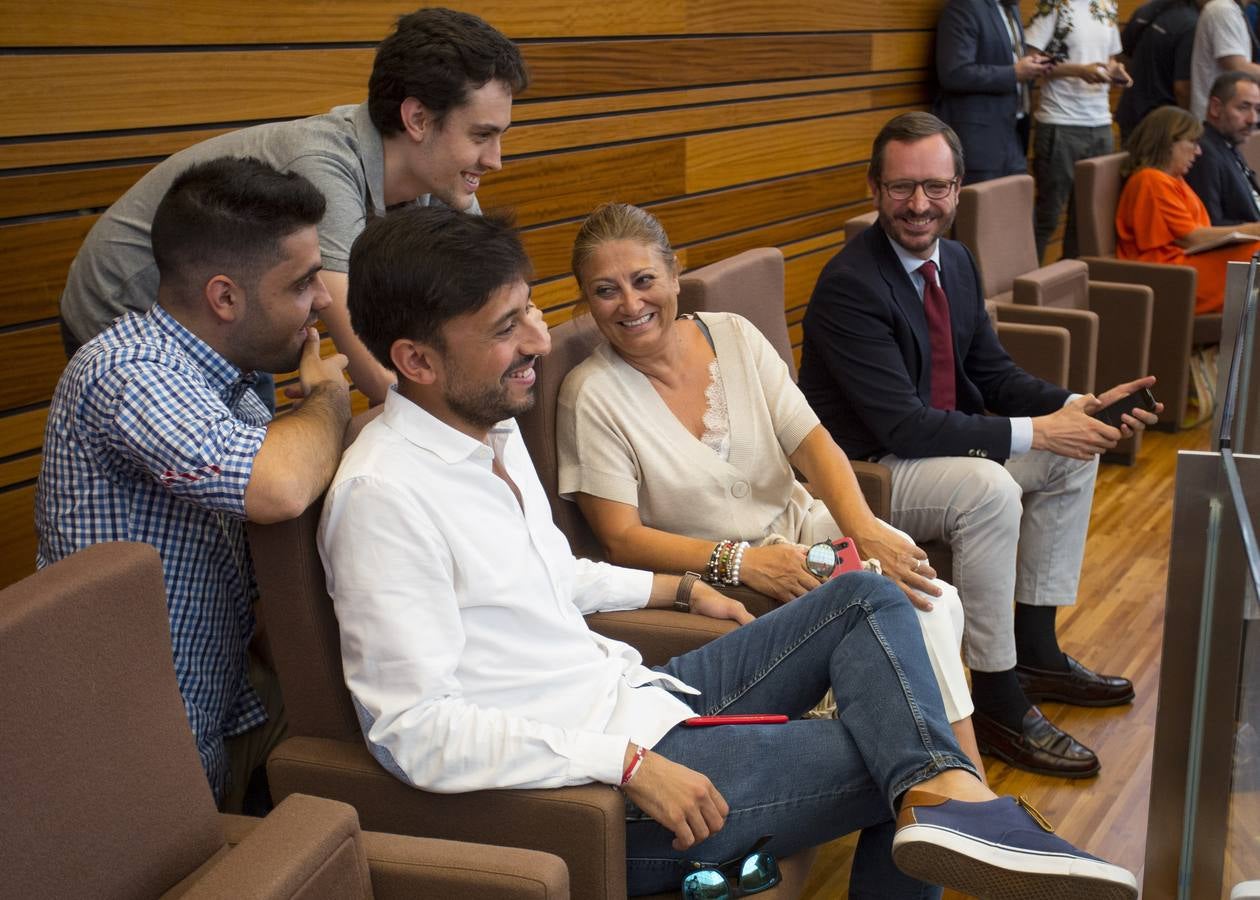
{"x": 751, "y": 873}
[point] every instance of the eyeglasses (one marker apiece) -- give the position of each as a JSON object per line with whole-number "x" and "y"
{"x": 934, "y": 188}
{"x": 752, "y": 873}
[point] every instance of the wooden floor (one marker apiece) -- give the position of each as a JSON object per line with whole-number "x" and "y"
{"x": 1116, "y": 626}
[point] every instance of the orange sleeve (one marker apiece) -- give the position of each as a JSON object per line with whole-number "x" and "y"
{"x": 1155, "y": 213}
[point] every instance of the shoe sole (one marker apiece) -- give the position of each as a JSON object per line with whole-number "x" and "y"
{"x": 1052, "y": 697}
{"x": 991, "y": 872}
{"x": 988, "y": 750}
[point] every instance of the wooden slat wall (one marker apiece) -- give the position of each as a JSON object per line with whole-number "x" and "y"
{"x": 742, "y": 123}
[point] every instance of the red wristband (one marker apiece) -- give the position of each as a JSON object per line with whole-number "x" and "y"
{"x": 635, "y": 762}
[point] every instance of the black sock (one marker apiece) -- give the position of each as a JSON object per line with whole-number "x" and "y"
{"x": 1036, "y": 644}
{"x": 999, "y": 696}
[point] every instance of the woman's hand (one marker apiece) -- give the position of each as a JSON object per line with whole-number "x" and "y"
{"x": 778, "y": 571}
{"x": 707, "y": 601}
{"x": 902, "y": 561}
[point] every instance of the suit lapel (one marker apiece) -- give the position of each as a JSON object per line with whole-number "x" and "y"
{"x": 905, "y": 297}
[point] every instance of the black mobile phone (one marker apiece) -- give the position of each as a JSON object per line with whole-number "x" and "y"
{"x": 1110, "y": 414}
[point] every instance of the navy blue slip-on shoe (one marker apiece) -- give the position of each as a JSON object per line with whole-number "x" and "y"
{"x": 999, "y": 850}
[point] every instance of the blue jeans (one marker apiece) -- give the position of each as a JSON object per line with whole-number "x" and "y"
{"x": 812, "y": 780}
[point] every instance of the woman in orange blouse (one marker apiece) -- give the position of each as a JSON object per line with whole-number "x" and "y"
{"x": 1159, "y": 215}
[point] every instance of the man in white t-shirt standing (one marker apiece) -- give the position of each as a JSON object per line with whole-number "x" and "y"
{"x": 1222, "y": 43}
{"x": 1074, "y": 113}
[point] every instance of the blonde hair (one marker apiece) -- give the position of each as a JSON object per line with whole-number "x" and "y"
{"x": 618, "y": 222}
{"x": 1150, "y": 144}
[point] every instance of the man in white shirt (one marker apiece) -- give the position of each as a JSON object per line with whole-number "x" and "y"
{"x": 1222, "y": 43}
{"x": 1074, "y": 112}
{"x": 465, "y": 650}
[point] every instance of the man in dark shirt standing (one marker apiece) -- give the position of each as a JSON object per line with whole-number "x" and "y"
{"x": 1221, "y": 177}
{"x": 1158, "y": 42}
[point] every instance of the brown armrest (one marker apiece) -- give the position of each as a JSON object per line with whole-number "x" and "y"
{"x": 1125, "y": 322}
{"x": 1081, "y": 324}
{"x": 875, "y": 480}
{"x": 1041, "y": 350}
{"x": 1125, "y": 347}
{"x": 1171, "y": 330}
{"x": 408, "y": 867}
{"x": 584, "y": 825}
{"x": 306, "y": 846}
{"x": 658, "y": 634}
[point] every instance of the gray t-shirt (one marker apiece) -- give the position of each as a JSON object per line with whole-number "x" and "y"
{"x": 1221, "y": 31}
{"x": 340, "y": 152}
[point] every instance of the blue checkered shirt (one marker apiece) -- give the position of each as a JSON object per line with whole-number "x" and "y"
{"x": 151, "y": 437}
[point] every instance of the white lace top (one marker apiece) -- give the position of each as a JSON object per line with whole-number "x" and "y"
{"x": 717, "y": 418}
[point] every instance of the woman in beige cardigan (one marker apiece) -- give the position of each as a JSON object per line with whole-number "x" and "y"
{"x": 677, "y": 439}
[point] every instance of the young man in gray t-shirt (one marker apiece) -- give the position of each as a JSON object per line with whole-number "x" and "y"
{"x": 439, "y": 100}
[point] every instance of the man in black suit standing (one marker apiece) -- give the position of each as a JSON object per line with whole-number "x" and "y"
{"x": 983, "y": 70}
{"x": 902, "y": 365}
{"x": 1220, "y": 176}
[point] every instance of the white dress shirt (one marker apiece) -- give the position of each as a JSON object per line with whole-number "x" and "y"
{"x": 462, "y": 635}
{"x": 1021, "y": 426}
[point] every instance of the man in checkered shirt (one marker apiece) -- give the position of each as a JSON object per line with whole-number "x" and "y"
{"x": 154, "y": 434}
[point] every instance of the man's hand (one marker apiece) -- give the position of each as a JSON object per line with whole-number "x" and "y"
{"x": 901, "y": 560}
{"x": 1072, "y": 432}
{"x": 314, "y": 370}
{"x": 1118, "y": 74}
{"x": 1034, "y": 65}
{"x": 707, "y": 601}
{"x": 680, "y": 799}
{"x": 1134, "y": 419}
{"x": 778, "y": 571}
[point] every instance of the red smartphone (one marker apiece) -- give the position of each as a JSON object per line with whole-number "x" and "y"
{"x": 847, "y": 559}
{"x": 754, "y": 719}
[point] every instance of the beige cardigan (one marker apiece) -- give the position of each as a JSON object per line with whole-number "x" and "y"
{"x": 618, "y": 440}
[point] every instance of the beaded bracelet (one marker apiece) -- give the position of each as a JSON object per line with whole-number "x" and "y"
{"x": 635, "y": 762}
{"x": 733, "y": 580}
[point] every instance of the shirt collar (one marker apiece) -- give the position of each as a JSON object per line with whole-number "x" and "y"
{"x": 420, "y": 427}
{"x": 372, "y": 151}
{"x": 222, "y": 377}
{"x": 909, "y": 261}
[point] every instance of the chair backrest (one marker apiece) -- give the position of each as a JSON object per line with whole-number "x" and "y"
{"x": 571, "y": 343}
{"x": 300, "y": 624}
{"x": 995, "y": 221}
{"x": 301, "y": 628}
{"x": 1251, "y": 150}
{"x": 749, "y": 283}
{"x": 103, "y": 792}
{"x": 1098, "y": 184}
{"x": 856, "y": 225}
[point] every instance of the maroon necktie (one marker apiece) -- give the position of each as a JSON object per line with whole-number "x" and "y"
{"x": 940, "y": 338}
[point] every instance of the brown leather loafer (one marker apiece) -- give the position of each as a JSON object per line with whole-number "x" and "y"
{"x": 1078, "y": 686}
{"x": 1039, "y": 746}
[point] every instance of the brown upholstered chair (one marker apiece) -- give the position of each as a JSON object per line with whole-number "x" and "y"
{"x": 104, "y": 794}
{"x": 1026, "y": 346}
{"x": 1175, "y": 329}
{"x": 857, "y": 224}
{"x": 1251, "y": 150}
{"x": 325, "y": 754}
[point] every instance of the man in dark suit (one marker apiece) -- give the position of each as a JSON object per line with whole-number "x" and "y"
{"x": 903, "y": 372}
{"x": 1220, "y": 176}
{"x": 983, "y": 71}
